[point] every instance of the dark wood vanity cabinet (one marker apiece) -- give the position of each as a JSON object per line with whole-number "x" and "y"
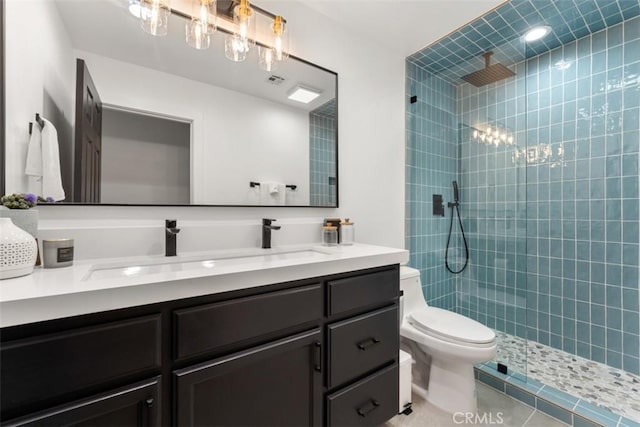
{"x": 276, "y": 384}
{"x": 134, "y": 405}
{"x": 320, "y": 351}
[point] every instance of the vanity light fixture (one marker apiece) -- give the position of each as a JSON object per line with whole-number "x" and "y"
{"x": 234, "y": 48}
{"x": 536, "y": 33}
{"x": 303, "y": 94}
{"x": 267, "y": 57}
{"x": 202, "y": 24}
{"x": 237, "y": 44}
{"x": 240, "y": 35}
{"x": 277, "y": 48}
{"x": 154, "y": 16}
{"x": 280, "y": 38}
{"x": 134, "y": 8}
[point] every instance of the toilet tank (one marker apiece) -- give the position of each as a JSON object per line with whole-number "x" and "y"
{"x": 413, "y": 298}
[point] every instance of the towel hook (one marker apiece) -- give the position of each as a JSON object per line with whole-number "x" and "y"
{"x": 39, "y": 121}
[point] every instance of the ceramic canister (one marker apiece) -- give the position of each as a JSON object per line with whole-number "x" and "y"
{"x": 18, "y": 250}
{"x": 57, "y": 253}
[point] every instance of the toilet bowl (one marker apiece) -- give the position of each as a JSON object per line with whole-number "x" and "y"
{"x": 445, "y": 346}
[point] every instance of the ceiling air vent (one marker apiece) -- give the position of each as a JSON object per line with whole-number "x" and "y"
{"x": 275, "y": 80}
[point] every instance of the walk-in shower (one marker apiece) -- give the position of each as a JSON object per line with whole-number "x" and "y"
{"x": 547, "y": 159}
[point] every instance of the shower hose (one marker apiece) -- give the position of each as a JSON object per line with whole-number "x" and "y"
{"x": 466, "y": 247}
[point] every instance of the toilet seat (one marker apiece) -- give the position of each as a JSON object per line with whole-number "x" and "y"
{"x": 451, "y": 327}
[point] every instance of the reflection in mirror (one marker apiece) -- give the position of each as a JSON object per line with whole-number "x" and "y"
{"x": 142, "y": 119}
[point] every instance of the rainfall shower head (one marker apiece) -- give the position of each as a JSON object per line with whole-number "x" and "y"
{"x": 490, "y": 73}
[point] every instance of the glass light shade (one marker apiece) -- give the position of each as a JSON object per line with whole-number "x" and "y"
{"x": 197, "y": 36}
{"x": 280, "y": 34}
{"x": 134, "y": 8}
{"x": 244, "y": 19}
{"x": 154, "y": 16}
{"x": 205, "y": 11}
{"x": 268, "y": 60}
{"x": 235, "y": 48}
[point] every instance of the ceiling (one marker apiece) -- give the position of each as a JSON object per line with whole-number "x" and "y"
{"x": 501, "y": 31}
{"x": 404, "y": 25}
{"x": 170, "y": 54}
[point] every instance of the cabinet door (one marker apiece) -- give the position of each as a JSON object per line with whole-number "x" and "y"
{"x": 135, "y": 405}
{"x": 276, "y": 384}
{"x": 46, "y": 370}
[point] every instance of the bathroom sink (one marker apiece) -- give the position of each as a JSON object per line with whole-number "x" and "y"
{"x": 112, "y": 271}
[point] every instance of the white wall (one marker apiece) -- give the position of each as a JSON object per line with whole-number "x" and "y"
{"x": 40, "y": 75}
{"x": 229, "y": 130}
{"x": 145, "y": 160}
{"x": 371, "y": 148}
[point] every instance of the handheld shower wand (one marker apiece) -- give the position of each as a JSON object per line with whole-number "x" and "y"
{"x": 455, "y": 192}
{"x": 455, "y": 204}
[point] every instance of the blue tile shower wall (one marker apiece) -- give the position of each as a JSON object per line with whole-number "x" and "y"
{"x": 431, "y": 159}
{"x": 582, "y": 116}
{"x": 583, "y": 107}
{"x": 322, "y": 154}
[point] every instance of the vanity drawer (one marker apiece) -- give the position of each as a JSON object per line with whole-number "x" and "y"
{"x": 371, "y": 401}
{"x": 44, "y": 368}
{"x": 362, "y": 291}
{"x": 362, "y": 343}
{"x": 204, "y": 328}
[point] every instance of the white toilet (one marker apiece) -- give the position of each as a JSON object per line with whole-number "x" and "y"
{"x": 445, "y": 346}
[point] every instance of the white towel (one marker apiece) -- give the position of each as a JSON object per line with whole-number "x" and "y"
{"x": 34, "y": 154}
{"x": 272, "y": 193}
{"x": 43, "y": 161}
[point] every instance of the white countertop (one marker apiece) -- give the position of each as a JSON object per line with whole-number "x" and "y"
{"x": 69, "y": 291}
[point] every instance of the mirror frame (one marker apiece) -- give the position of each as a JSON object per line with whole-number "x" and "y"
{"x": 2, "y": 101}
{"x": 176, "y": 12}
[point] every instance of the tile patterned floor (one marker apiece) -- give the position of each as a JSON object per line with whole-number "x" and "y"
{"x": 491, "y": 403}
{"x": 601, "y": 385}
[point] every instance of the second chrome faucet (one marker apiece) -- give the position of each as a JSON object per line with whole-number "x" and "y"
{"x": 266, "y": 232}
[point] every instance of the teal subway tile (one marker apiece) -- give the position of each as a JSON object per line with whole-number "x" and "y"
{"x": 492, "y": 381}
{"x": 579, "y": 421}
{"x": 596, "y": 413}
{"x": 614, "y": 358}
{"x": 598, "y": 354}
{"x": 558, "y": 397}
{"x": 554, "y": 410}
{"x": 521, "y": 395}
{"x": 533, "y": 385}
{"x": 625, "y": 422}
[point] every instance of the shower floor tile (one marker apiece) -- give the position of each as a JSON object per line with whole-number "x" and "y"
{"x": 596, "y": 383}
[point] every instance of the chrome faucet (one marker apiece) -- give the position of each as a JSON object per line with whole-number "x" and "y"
{"x": 266, "y": 232}
{"x": 171, "y": 234}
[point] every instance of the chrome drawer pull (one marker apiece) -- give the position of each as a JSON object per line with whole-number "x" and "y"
{"x": 363, "y": 345}
{"x": 368, "y": 408}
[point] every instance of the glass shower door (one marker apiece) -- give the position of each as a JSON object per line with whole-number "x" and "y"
{"x": 492, "y": 175}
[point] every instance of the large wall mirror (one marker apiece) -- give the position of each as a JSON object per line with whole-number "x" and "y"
{"x": 147, "y": 120}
